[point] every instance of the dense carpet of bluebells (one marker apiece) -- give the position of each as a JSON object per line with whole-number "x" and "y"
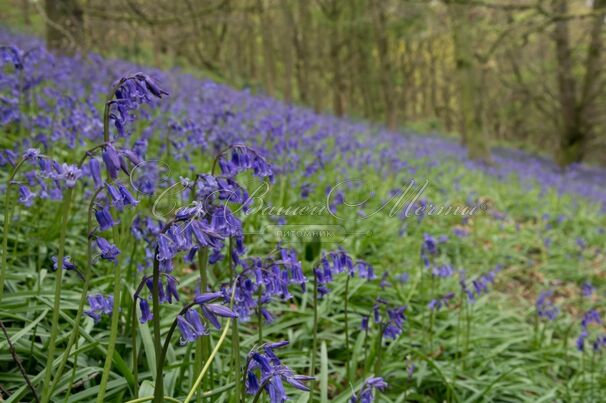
{"x": 148, "y": 251}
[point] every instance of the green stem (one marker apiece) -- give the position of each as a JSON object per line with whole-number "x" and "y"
{"x": 467, "y": 332}
{"x": 133, "y": 336}
{"x": 159, "y": 382}
{"x": 260, "y": 316}
{"x": 87, "y": 276}
{"x": 314, "y": 348}
{"x": 113, "y": 332}
{"x": 365, "y": 344}
{"x": 235, "y": 334}
{"x": 203, "y": 343}
{"x": 46, "y": 391}
{"x": 213, "y": 353}
{"x": 379, "y": 350}
{"x": 260, "y": 391}
{"x": 347, "y": 356}
{"x": 8, "y": 211}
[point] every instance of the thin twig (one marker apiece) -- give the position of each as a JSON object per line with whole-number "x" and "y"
{"x": 11, "y": 348}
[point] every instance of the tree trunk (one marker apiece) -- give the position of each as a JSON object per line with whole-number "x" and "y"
{"x": 26, "y": 12}
{"x": 588, "y": 109}
{"x": 572, "y": 139}
{"x": 385, "y": 76}
{"x": 469, "y": 105}
{"x": 64, "y": 25}
{"x": 269, "y": 64}
{"x": 286, "y": 42}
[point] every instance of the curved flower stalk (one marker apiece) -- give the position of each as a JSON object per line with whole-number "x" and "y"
{"x": 126, "y": 95}
{"x": 545, "y": 310}
{"x": 265, "y": 372}
{"x": 330, "y": 264}
{"x": 118, "y": 196}
{"x": 190, "y": 323}
{"x": 206, "y": 224}
{"x": 389, "y": 321}
{"x": 470, "y": 293}
{"x": 238, "y": 158}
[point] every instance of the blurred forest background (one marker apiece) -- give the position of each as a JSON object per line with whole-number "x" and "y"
{"x": 527, "y": 73}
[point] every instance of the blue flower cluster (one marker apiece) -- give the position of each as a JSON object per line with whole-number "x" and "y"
{"x": 591, "y": 317}
{"x": 391, "y": 321}
{"x": 265, "y": 372}
{"x": 190, "y": 324}
{"x": 367, "y": 391}
{"x": 131, "y": 92}
{"x": 546, "y": 309}
{"x": 336, "y": 262}
{"x": 263, "y": 280}
{"x": 479, "y": 285}
{"x": 99, "y": 305}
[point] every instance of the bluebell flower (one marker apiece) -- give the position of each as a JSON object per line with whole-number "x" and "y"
{"x": 587, "y": 289}
{"x": 244, "y": 158}
{"x": 115, "y": 196}
{"x": 443, "y": 271}
{"x": 479, "y": 284}
{"x": 151, "y": 85}
{"x": 127, "y": 197}
{"x": 365, "y": 270}
{"x": 95, "y": 171}
{"x": 546, "y": 308}
{"x": 429, "y": 245}
{"x": 99, "y": 305}
{"x": 367, "y": 391}
{"x": 111, "y": 158}
{"x": 210, "y": 311}
{"x": 188, "y": 332}
{"x": 146, "y": 314}
{"x": 108, "y": 251}
{"x": 265, "y": 370}
{"x": 384, "y": 280}
{"x": 403, "y": 278}
{"x": 376, "y": 313}
{"x": 26, "y": 197}
{"x": 104, "y": 219}
{"x": 460, "y": 232}
{"x": 336, "y": 262}
{"x": 207, "y": 297}
{"x": 438, "y": 303}
{"x": 590, "y": 317}
{"x": 581, "y": 340}
{"x": 171, "y": 289}
{"x": 31, "y": 154}
{"x": 410, "y": 370}
{"x": 364, "y": 323}
{"x": 13, "y": 55}
{"x": 581, "y": 243}
{"x": 165, "y": 249}
{"x": 395, "y": 322}
{"x": 68, "y": 174}
{"x": 67, "y": 264}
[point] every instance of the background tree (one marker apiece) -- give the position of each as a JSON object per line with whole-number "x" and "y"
{"x": 521, "y": 72}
